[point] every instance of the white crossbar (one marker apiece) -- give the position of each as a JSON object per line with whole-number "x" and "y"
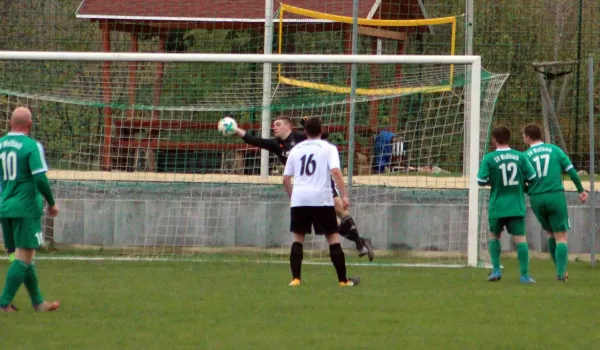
{"x": 232, "y": 58}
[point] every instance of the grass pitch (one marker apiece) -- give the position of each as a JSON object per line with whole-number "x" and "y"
{"x": 218, "y": 305}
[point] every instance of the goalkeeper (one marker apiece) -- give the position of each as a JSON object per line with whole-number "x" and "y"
{"x": 285, "y": 139}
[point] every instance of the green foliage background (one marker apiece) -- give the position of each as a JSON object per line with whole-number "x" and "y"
{"x": 509, "y": 35}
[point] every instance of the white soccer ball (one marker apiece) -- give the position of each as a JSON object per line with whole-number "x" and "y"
{"x": 227, "y": 126}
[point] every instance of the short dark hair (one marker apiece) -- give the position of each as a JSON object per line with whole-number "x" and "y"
{"x": 533, "y": 132}
{"x": 313, "y": 127}
{"x": 285, "y": 119}
{"x": 501, "y": 134}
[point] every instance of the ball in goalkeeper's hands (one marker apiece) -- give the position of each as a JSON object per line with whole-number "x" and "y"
{"x": 227, "y": 126}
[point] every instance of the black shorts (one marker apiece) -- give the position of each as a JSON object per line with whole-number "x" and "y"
{"x": 323, "y": 219}
{"x": 334, "y": 189}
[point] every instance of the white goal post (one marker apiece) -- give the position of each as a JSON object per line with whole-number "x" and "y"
{"x": 474, "y": 77}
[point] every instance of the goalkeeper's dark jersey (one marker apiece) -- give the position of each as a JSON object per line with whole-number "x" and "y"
{"x": 281, "y": 148}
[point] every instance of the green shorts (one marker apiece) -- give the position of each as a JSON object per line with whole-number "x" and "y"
{"x": 515, "y": 225}
{"x": 551, "y": 211}
{"x": 22, "y": 233}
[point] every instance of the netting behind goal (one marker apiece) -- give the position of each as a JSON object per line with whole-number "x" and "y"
{"x": 157, "y": 180}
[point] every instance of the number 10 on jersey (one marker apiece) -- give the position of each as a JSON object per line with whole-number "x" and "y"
{"x": 9, "y": 165}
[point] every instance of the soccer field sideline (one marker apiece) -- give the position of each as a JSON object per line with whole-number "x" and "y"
{"x": 238, "y": 261}
{"x": 387, "y": 260}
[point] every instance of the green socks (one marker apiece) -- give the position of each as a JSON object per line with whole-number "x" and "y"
{"x": 523, "y": 257}
{"x": 31, "y": 283}
{"x": 20, "y": 273}
{"x": 562, "y": 258}
{"x": 495, "y": 250}
{"x": 14, "y": 279}
{"x": 552, "y": 248}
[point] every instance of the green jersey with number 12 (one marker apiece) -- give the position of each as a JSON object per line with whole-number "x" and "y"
{"x": 550, "y": 162}
{"x": 506, "y": 171}
{"x": 21, "y": 157}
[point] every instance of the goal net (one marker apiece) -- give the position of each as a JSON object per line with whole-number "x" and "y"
{"x": 145, "y": 174}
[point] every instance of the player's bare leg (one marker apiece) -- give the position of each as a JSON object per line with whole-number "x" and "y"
{"x": 348, "y": 230}
{"x": 523, "y": 257}
{"x": 495, "y": 250}
{"x": 339, "y": 261}
{"x": 296, "y": 256}
{"x": 561, "y": 256}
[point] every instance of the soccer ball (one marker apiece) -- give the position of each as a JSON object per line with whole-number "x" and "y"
{"x": 227, "y": 126}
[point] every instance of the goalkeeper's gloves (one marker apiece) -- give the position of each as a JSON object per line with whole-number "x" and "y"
{"x": 303, "y": 121}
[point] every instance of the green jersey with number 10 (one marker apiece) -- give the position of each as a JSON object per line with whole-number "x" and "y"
{"x": 506, "y": 170}
{"x": 550, "y": 162}
{"x": 21, "y": 157}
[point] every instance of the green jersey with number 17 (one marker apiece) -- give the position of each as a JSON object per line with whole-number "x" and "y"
{"x": 21, "y": 157}
{"x": 550, "y": 162}
{"x": 506, "y": 171}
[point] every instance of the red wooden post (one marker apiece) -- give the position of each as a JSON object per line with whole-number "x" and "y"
{"x": 348, "y": 51}
{"x": 133, "y": 75}
{"x": 396, "y": 101}
{"x": 374, "y": 105}
{"x": 106, "y": 149}
{"x": 160, "y": 70}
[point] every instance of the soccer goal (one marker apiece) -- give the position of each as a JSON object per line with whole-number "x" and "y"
{"x": 140, "y": 170}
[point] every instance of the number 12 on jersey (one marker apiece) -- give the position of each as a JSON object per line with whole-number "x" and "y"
{"x": 509, "y": 173}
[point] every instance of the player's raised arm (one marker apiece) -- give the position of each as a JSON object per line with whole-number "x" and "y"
{"x": 483, "y": 176}
{"x": 268, "y": 144}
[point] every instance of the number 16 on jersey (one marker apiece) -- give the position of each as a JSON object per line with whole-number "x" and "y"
{"x": 308, "y": 165}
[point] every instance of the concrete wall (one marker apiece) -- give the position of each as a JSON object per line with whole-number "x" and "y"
{"x": 443, "y": 227}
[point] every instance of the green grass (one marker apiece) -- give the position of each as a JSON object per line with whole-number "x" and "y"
{"x": 216, "y": 305}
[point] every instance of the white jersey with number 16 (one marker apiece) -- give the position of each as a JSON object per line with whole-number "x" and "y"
{"x": 310, "y": 163}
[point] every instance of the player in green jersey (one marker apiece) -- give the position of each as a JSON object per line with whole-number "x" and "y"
{"x": 23, "y": 179}
{"x": 547, "y": 195}
{"x": 506, "y": 171}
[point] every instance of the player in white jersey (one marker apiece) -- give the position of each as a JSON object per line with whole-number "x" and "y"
{"x": 312, "y": 164}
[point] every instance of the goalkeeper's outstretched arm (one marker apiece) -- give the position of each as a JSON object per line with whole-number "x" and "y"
{"x": 269, "y": 144}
